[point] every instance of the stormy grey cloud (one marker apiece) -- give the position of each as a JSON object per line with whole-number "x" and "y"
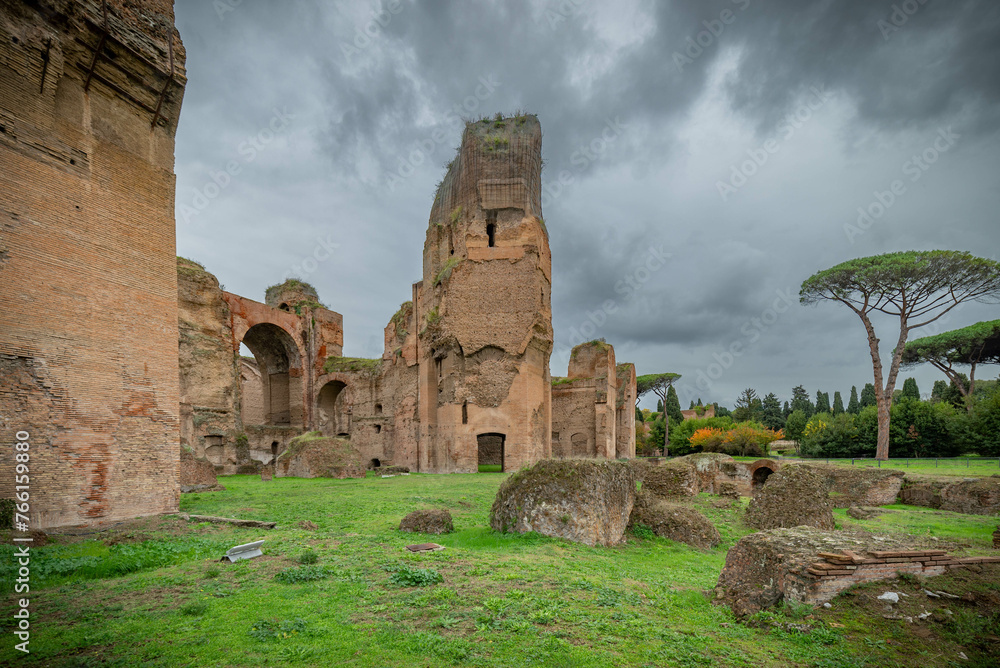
{"x": 735, "y": 139}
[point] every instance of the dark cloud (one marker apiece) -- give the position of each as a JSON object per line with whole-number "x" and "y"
{"x": 370, "y": 100}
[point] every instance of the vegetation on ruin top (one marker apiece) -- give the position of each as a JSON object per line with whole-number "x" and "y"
{"x": 349, "y": 364}
{"x": 339, "y": 446}
{"x": 599, "y": 344}
{"x": 291, "y": 285}
{"x": 558, "y": 380}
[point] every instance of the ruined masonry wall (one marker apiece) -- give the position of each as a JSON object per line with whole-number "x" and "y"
{"x": 88, "y": 292}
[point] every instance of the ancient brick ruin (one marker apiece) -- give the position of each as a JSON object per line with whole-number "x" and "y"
{"x": 808, "y": 565}
{"x": 464, "y": 377}
{"x": 90, "y": 94}
{"x": 94, "y": 300}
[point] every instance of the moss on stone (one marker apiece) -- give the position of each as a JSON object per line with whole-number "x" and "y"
{"x": 556, "y": 381}
{"x": 446, "y": 270}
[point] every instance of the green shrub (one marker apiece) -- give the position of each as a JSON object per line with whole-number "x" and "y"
{"x": 299, "y": 574}
{"x": 985, "y": 425}
{"x": 680, "y": 432}
{"x": 308, "y": 557}
{"x": 405, "y": 575}
{"x": 272, "y": 629}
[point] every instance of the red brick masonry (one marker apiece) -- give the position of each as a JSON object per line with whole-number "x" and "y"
{"x": 836, "y": 572}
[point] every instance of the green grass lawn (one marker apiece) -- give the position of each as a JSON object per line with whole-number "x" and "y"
{"x": 152, "y": 592}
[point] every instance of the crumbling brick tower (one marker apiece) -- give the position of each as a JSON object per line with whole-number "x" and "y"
{"x": 483, "y": 308}
{"x": 90, "y": 94}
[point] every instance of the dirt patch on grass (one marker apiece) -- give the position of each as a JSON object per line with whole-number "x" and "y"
{"x": 968, "y": 623}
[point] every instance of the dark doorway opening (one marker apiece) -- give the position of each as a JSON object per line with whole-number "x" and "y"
{"x": 274, "y": 450}
{"x": 491, "y": 454}
{"x": 760, "y": 476}
{"x": 374, "y": 464}
{"x": 491, "y": 234}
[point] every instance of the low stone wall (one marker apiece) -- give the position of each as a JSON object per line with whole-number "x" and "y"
{"x": 862, "y": 486}
{"x": 703, "y": 472}
{"x": 812, "y": 566}
{"x": 972, "y": 496}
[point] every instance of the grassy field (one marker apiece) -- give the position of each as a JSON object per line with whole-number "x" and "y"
{"x": 151, "y": 592}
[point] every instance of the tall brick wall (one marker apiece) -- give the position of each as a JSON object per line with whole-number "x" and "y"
{"x": 88, "y": 290}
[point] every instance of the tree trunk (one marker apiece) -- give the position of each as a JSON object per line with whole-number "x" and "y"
{"x": 666, "y": 426}
{"x": 884, "y": 406}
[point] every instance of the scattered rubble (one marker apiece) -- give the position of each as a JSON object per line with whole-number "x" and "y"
{"x": 428, "y": 521}
{"x": 675, "y": 521}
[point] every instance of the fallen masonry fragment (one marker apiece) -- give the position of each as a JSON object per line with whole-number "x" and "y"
{"x": 812, "y": 566}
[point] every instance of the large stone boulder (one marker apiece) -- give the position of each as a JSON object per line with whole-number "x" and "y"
{"x": 861, "y": 485}
{"x": 794, "y": 496}
{"x": 197, "y": 474}
{"x": 427, "y": 521}
{"x": 669, "y": 478}
{"x": 313, "y": 455}
{"x": 675, "y": 521}
{"x": 586, "y": 501}
{"x": 973, "y": 496}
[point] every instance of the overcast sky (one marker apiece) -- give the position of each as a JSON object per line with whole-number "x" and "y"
{"x": 702, "y": 159}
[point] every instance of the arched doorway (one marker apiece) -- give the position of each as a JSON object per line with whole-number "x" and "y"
{"x": 333, "y": 409}
{"x": 491, "y": 456}
{"x": 275, "y": 353}
{"x": 760, "y": 476}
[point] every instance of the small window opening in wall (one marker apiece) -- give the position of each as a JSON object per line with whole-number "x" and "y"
{"x": 465, "y": 412}
{"x": 15, "y": 40}
{"x": 491, "y": 231}
{"x": 378, "y": 409}
{"x": 374, "y": 464}
{"x": 284, "y": 307}
{"x": 274, "y": 448}
{"x": 72, "y": 161}
{"x": 378, "y": 429}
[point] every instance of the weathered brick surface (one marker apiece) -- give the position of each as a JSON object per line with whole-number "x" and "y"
{"x": 196, "y": 470}
{"x": 88, "y": 316}
{"x": 812, "y": 566}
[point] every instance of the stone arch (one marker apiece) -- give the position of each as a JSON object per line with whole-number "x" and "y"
{"x": 278, "y": 362}
{"x": 580, "y": 445}
{"x": 333, "y": 410}
{"x": 760, "y": 471}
